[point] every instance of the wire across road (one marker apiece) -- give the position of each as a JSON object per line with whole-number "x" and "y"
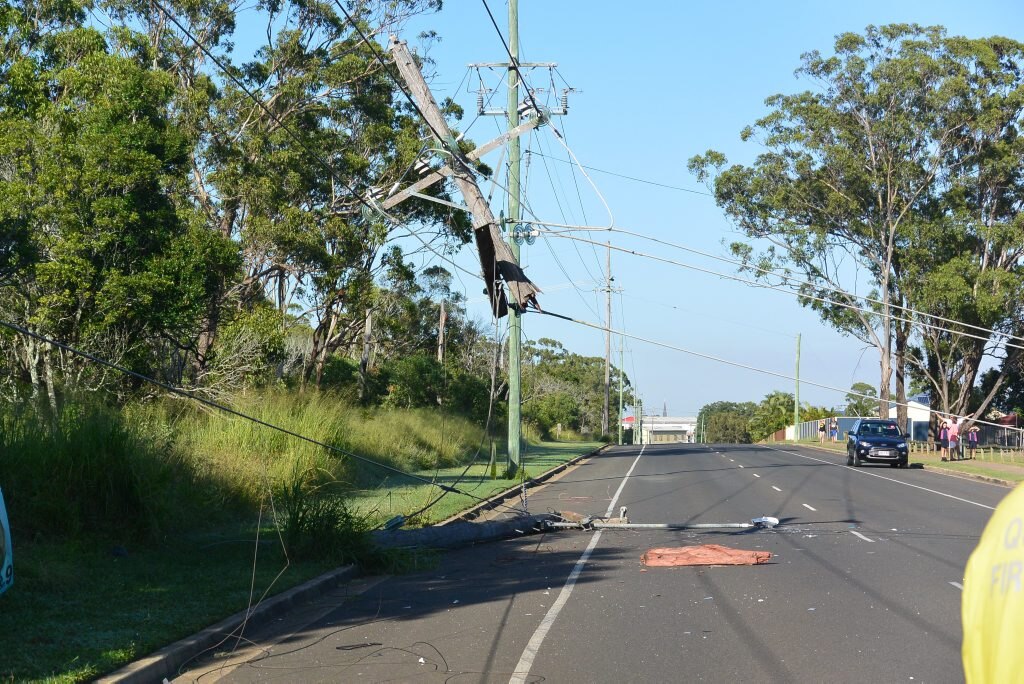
{"x": 864, "y": 583}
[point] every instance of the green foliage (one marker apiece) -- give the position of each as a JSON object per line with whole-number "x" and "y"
{"x": 726, "y": 422}
{"x": 560, "y": 386}
{"x": 773, "y": 413}
{"x": 413, "y": 381}
{"x": 902, "y": 165}
{"x": 94, "y": 471}
{"x": 316, "y": 523}
{"x": 861, "y": 405}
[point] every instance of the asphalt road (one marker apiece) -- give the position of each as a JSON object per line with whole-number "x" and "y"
{"x": 864, "y": 584}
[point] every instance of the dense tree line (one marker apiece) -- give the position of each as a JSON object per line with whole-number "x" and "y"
{"x": 748, "y": 422}
{"x": 201, "y": 217}
{"x": 899, "y": 176}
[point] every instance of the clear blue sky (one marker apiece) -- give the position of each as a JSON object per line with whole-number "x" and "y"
{"x": 660, "y": 82}
{"x": 658, "y": 85}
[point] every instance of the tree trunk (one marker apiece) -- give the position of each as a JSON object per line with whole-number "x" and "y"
{"x": 885, "y": 365}
{"x": 902, "y": 337}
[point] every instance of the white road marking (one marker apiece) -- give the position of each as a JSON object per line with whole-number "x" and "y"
{"x": 958, "y": 585}
{"x": 522, "y": 671}
{"x": 858, "y": 534}
{"x": 756, "y": 475}
{"x": 731, "y": 461}
{"x": 741, "y": 465}
{"x": 883, "y": 477}
{"x": 810, "y": 508}
{"x": 776, "y": 488}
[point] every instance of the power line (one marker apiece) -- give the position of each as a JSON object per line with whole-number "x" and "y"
{"x": 735, "y": 364}
{"x": 632, "y": 178}
{"x": 777, "y": 288}
{"x": 512, "y": 60}
{"x": 228, "y": 73}
{"x": 209, "y": 402}
{"x": 790, "y": 279}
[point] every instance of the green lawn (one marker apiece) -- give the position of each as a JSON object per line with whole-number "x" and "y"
{"x": 78, "y": 610}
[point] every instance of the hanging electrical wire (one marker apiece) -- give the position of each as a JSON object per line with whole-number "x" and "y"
{"x": 823, "y": 300}
{"x": 736, "y": 364}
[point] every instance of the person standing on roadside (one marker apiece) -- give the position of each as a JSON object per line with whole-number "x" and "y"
{"x": 943, "y": 438}
{"x": 972, "y": 440}
{"x": 821, "y": 431}
{"x": 953, "y": 433}
{"x": 833, "y": 427}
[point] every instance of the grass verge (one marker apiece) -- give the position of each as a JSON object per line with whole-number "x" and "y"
{"x": 134, "y": 528}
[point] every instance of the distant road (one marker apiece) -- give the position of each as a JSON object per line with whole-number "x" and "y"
{"x": 864, "y": 585}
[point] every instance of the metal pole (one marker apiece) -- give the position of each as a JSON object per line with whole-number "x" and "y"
{"x": 796, "y": 402}
{"x": 640, "y": 420}
{"x": 619, "y": 412}
{"x": 514, "y": 320}
{"x": 607, "y": 340}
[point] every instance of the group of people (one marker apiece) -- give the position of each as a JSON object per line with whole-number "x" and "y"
{"x": 951, "y": 445}
{"x": 831, "y": 426}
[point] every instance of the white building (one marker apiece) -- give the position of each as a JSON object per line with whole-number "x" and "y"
{"x": 669, "y": 429}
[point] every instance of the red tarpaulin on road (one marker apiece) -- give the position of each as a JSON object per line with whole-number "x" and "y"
{"x": 708, "y": 554}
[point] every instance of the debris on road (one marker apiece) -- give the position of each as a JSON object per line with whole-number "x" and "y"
{"x": 707, "y": 554}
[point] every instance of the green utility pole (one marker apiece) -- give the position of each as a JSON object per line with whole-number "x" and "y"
{"x": 640, "y": 421}
{"x": 796, "y": 403}
{"x": 621, "y": 342}
{"x": 514, "y": 319}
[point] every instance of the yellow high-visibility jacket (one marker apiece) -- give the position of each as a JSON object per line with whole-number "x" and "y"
{"x": 993, "y": 598}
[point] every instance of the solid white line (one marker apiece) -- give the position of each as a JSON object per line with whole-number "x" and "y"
{"x": 858, "y": 534}
{"x": 756, "y": 475}
{"x": 522, "y": 671}
{"x": 958, "y": 585}
{"x": 810, "y": 508}
{"x": 776, "y": 488}
{"x": 883, "y": 477}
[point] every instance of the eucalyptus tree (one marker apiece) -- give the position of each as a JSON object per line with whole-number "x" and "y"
{"x": 89, "y": 160}
{"x": 873, "y": 183}
{"x": 292, "y": 141}
{"x": 972, "y": 273}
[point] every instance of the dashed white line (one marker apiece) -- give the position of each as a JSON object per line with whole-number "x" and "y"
{"x": 741, "y": 465}
{"x": 756, "y": 475}
{"x": 776, "y": 488}
{"x": 865, "y": 472}
{"x": 958, "y": 585}
{"x": 810, "y": 508}
{"x": 731, "y": 461}
{"x": 858, "y": 534}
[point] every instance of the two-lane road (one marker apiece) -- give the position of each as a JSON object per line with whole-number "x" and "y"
{"x": 864, "y": 584}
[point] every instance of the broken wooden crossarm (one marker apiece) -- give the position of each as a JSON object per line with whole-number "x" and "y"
{"x": 497, "y": 262}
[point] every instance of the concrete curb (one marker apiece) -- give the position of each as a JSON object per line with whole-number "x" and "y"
{"x": 452, "y": 533}
{"x": 491, "y": 503}
{"x": 166, "y": 662}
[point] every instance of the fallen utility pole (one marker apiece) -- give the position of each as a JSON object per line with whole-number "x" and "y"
{"x": 496, "y": 258}
{"x": 573, "y": 521}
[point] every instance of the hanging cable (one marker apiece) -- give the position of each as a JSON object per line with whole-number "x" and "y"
{"x": 735, "y": 364}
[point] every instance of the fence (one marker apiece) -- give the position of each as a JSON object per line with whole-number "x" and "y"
{"x": 917, "y": 431}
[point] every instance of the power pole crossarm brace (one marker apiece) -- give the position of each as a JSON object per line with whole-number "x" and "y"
{"x": 496, "y": 258}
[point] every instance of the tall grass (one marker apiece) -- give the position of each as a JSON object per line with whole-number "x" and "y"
{"x": 92, "y": 469}
{"x": 141, "y": 470}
